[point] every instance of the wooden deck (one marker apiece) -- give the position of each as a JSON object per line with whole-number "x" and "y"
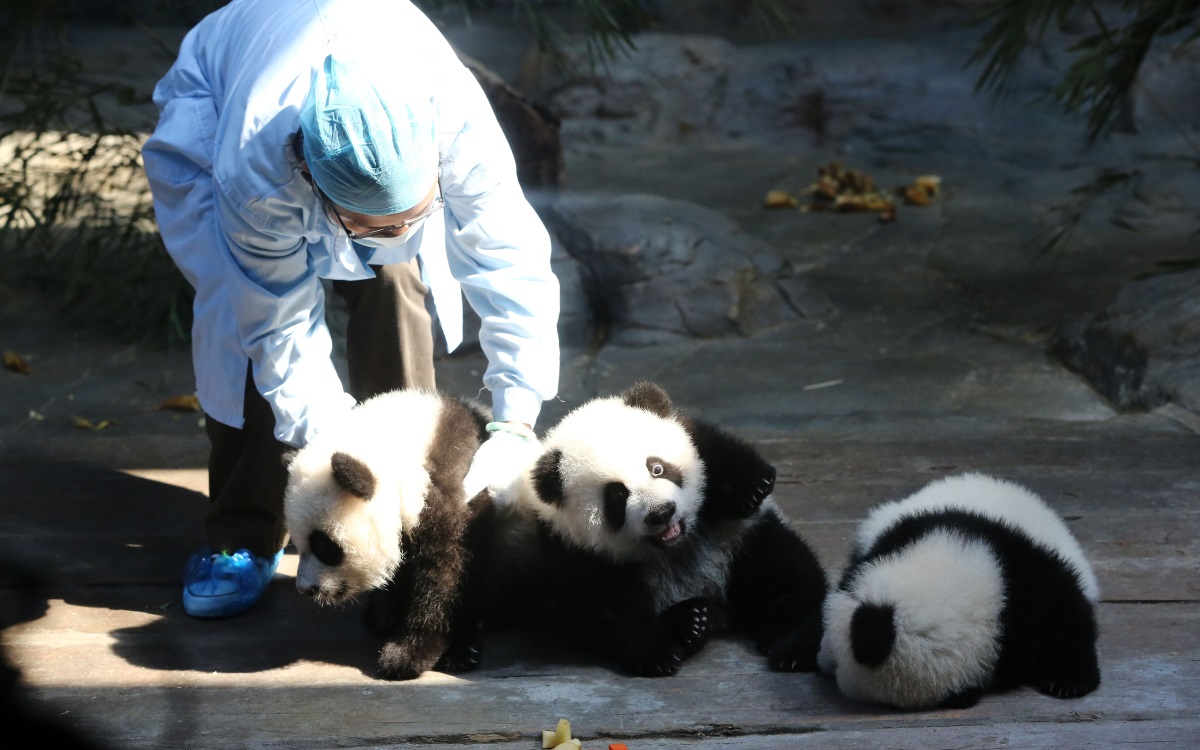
{"x": 110, "y": 652}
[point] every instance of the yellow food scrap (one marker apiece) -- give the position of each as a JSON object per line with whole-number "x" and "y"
{"x": 87, "y": 424}
{"x": 13, "y": 361}
{"x": 922, "y": 191}
{"x": 839, "y": 188}
{"x": 780, "y": 199}
{"x": 571, "y": 744}
{"x": 188, "y": 402}
{"x": 552, "y": 740}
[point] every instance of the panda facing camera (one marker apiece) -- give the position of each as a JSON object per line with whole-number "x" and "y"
{"x": 970, "y": 585}
{"x": 642, "y": 532}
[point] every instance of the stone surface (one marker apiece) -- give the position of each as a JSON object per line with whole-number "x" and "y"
{"x": 1144, "y": 348}
{"x": 934, "y": 356}
{"x": 652, "y": 270}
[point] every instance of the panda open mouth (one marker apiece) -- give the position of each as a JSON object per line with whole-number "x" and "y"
{"x": 671, "y": 534}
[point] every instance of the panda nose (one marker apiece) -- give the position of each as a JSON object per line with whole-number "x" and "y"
{"x": 309, "y": 591}
{"x": 661, "y": 515}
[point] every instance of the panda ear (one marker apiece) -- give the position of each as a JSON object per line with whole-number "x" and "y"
{"x": 646, "y": 395}
{"x": 352, "y": 475}
{"x": 547, "y": 481}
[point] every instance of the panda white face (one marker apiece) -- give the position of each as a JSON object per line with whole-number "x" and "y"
{"x": 347, "y": 538}
{"x": 619, "y": 480}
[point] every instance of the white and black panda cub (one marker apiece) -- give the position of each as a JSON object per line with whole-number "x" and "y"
{"x": 652, "y": 531}
{"x": 377, "y": 505}
{"x": 971, "y": 584}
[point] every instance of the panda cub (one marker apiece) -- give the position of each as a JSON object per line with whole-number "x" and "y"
{"x": 650, "y": 531}
{"x": 972, "y": 584}
{"x": 377, "y": 506}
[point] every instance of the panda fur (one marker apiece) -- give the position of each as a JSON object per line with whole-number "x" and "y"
{"x": 972, "y": 584}
{"x": 641, "y": 532}
{"x": 376, "y": 506}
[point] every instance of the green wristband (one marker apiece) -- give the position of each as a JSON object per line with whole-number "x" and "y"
{"x": 513, "y": 429}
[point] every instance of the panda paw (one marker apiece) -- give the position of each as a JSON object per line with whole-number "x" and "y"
{"x": 753, "y": 490}
{"x": 653, "y": 662}
{"x": 1070, "y": 683}
{"x": 464, "y": 652}
{"x": 408, "y": 659}
{"x": 460, "y": 658}
{"x": 689, "y": 624}
{"x": 795, "y": 650}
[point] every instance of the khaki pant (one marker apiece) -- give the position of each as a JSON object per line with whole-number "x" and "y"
{"x": 389, "y": 345}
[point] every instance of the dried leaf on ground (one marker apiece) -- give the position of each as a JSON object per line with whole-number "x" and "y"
{"x": 845, "y": 190}
{"x": 922, "y": 191}
{"x": 187, "y": 402}
{"x": 14, "y": 362}
{"x": 87, "y": 424}
{"x": 780, "y": 199}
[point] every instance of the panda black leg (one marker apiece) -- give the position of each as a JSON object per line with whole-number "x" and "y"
{"x": 1070, "y": 665}
{"x": 690, "y": 623}
{"x": 737, "y": 478}
{"x": 794, "y": 649}
{"x": 384, "y": 611}
{"x": 776, "y": 595}
{"x": 406, "y": 658}
{"x": 466, "y": 646}
{"x": 466, "y": 634}
{"x": 682, "y": 630}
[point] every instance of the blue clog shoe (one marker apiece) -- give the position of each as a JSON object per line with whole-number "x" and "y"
{"x": 223, "y": 585}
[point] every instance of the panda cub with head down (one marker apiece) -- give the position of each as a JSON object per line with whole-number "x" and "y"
{"x": 644, "y": 532}
{"x": 971, "y": 584}
{"x": 376, "y": 506}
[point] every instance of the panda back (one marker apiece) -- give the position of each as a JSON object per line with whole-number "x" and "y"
{"x": 996, "y": 499}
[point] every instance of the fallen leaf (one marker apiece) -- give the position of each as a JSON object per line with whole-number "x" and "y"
{"x": 922, "y": 190}
{"x": 780, "y": 199}
{"x": 87, "y": 424}
{"x": 13, "y": 361}
{"x": 845, "y": 190}
{"x": 188, "y": 402}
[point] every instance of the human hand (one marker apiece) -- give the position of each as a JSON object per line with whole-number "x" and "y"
{"x": 500, "y": 463}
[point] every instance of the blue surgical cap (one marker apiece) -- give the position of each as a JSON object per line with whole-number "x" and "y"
{"x": 370, "y": 145}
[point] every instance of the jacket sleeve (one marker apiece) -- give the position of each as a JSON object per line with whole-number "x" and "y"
{"x": 279, "y": 304}
{"x": 499, "y": 251}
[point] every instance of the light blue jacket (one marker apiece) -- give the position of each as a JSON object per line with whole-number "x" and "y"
{"x": 250, "y": 236}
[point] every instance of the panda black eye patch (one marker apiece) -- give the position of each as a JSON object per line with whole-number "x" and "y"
{"x": 616, "y": 495}
{"x": 660, "y": 469}
{"x": 325, "y": 549}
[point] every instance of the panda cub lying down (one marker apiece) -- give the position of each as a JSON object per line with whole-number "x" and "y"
{"x": 641, "y": 532}
{"x": 377, "y": 506}
{"x": 971, "y": 584}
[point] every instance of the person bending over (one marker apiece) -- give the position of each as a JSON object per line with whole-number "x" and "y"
{"x": 301, "y": 140}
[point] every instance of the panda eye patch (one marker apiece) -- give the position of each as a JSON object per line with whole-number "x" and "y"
{"x": 325, "y": 549}
{"x": 661, "y": 469}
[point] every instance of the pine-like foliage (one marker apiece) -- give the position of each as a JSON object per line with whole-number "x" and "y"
{"x": 1104, "y": 61}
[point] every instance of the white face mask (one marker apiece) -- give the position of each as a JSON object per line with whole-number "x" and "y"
{"x": 396, "y": 241}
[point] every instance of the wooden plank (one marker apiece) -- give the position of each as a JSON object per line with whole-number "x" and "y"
{"x": 1132, "y": 503}
{"x": 193, "y": 679}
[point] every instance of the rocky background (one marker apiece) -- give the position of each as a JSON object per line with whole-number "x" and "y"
{"x": 681, "y": 181}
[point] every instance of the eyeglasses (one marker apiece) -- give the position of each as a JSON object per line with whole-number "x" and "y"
{"x": 392, "y": 230}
